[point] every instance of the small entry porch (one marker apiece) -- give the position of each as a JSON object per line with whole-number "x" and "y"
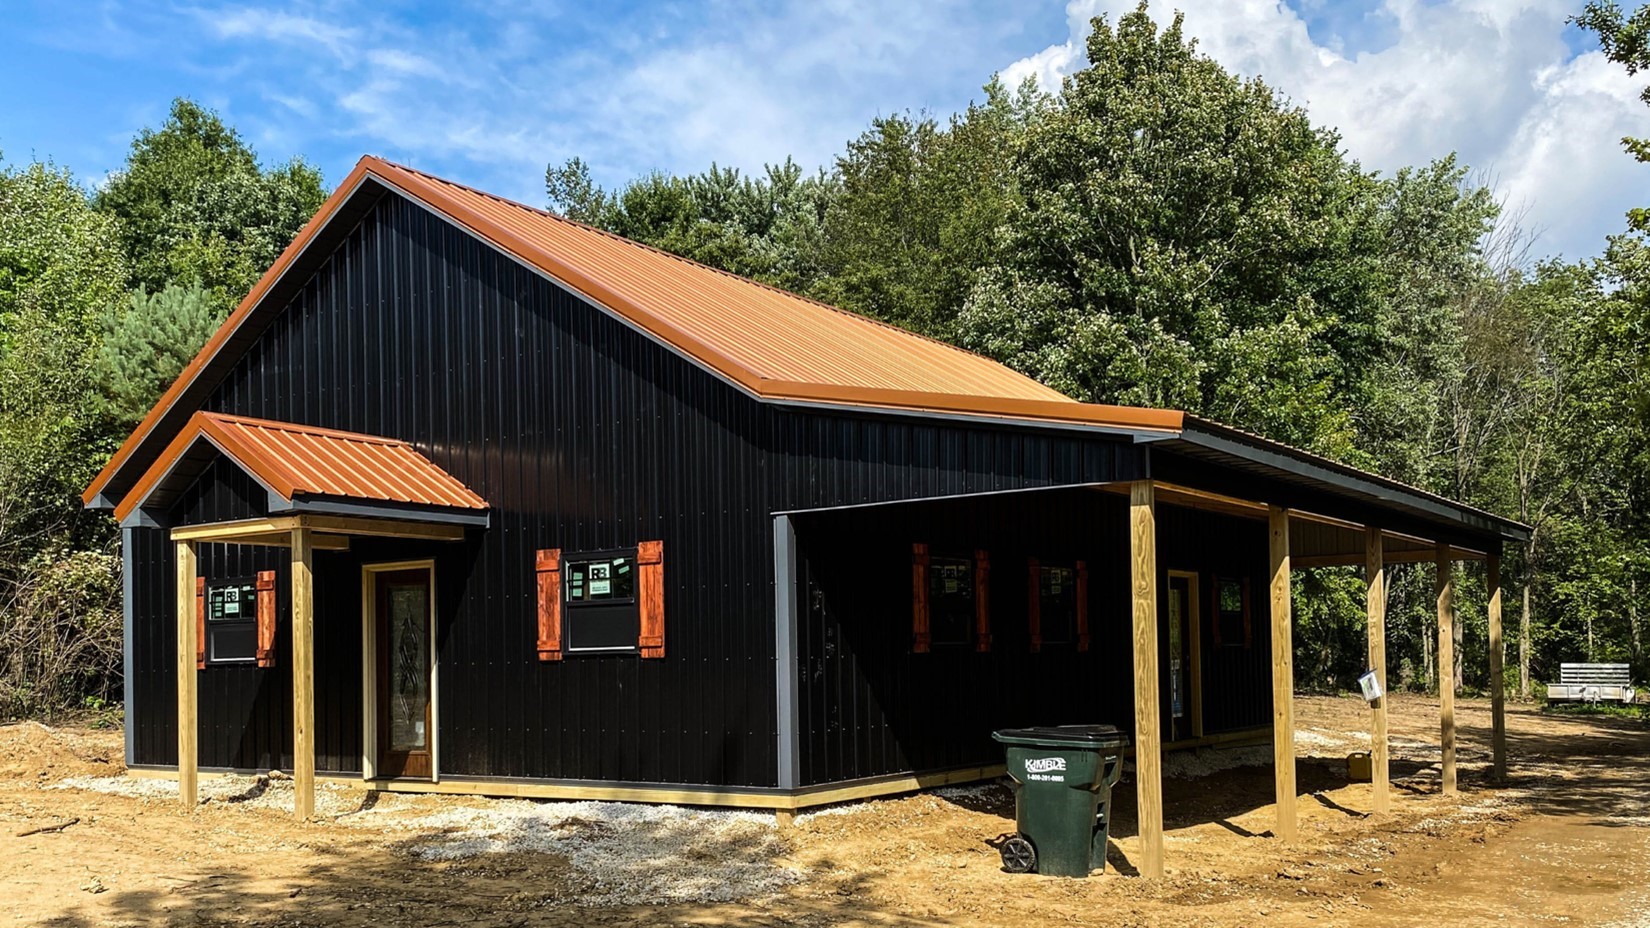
{"x": 306, "y": 489}
{"x": 386, "y": 588}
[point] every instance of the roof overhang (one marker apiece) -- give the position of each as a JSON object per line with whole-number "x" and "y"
{"x": 1268, "y": 464}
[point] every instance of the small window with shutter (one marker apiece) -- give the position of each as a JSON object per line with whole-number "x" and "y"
{"x": 602, "y": 602}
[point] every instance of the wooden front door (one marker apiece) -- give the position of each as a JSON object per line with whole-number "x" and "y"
{"x": 404, "y": 667}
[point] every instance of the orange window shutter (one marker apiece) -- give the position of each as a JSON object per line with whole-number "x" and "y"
{"x": 549, "y": 582}
{"x": 266, "y": 618}
{"x": 982, "y": 600}
{"x": 1034, "y": 603}
{"x": 919, "y": 598}
{"x": 650, "y": 581}
{"x": 1082, "y": 606}
{"x": 200, "y": 623}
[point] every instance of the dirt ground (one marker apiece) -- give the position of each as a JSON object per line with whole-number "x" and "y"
{"x": 1566, "y": 841}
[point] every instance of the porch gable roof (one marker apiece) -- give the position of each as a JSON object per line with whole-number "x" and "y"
{"x": 296, "y": 463}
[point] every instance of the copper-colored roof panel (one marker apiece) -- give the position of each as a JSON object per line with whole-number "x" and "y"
{"x": 298, "y": 460}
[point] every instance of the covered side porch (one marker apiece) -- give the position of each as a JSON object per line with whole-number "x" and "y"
{"x": 909, "y": 630}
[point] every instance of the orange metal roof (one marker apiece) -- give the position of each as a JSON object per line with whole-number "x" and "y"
{"x": 775, "y": 344}
{"x": 298, "y": 460}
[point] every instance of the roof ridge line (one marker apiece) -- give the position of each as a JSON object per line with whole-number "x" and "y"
{"x": 685, "y": 260}
{"x": 283, "y": 426}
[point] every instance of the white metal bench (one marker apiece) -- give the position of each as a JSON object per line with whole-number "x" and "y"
{"x": 1592, "y": 683}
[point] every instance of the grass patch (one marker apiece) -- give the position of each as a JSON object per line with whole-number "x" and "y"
{"x": 1606, "y": 709}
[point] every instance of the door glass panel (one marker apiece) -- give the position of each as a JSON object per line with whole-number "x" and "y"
{"x": 409, "y": 682}
{"x": 1177, "y": 638}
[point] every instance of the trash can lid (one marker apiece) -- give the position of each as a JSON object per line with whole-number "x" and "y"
{"x": 1059, "y": 736}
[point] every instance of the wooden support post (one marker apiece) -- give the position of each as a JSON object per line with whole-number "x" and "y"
{"x": 1375, "y": 578}
{"x": 303, "y": 676}
{"x": 784, "y": 819}
{"x": 188, "y": 701}
{"x": 1283, "y": 676}
{"x": 1148, "y": 721}
{"x": 1498, "y": 688}
{"x": 1446, "y": 666}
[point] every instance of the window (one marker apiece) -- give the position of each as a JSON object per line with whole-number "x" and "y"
{"x": 1232, "y": 612}
{"x": 602, "y": 611}
{"x": 951, "y": 600}
{"x": 1057, "y": 604}
{"x": 232, "y": 621}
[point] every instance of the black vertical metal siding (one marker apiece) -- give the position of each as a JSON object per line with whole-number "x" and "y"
{"x": 583, "y": 434}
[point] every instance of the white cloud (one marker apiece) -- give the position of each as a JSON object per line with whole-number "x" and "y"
{"x": 1491, "y": 80}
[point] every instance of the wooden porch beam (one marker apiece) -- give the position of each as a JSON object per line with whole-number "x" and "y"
{"x": 284, "y": 540}
{"x": 245, "y": 530}
{"x": 1375, "y": 581}
{"x": 1446, "y": 666}
{"x": 384, "y": 528}
{"x": 1148, "y": 721}
{"x": 303, "y": 676}
{"x": 1283, "y": 676}
{"x": 1498, "y": 688}
{"x": 219, "y": 531}
{"x": 188, "y": 702}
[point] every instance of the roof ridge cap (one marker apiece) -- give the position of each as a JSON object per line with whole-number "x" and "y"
{"x": 317, "y": 430}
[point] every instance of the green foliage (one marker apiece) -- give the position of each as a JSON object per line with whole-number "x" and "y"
{"x": 919, "y": 209}
{"x": 59, "y": 266}
{"x": 60, "y": 633}
{"x": 147, "y": 341}
{"x": 767, "y": 228}
{"x": 55, "y": 259}
{"x": 193, "y": 204}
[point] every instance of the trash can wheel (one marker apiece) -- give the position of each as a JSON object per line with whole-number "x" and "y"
{"x": 1018, "y": 855}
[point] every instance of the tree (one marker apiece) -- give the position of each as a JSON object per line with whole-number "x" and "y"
{"x": 767, "y": 228}
{"x": 1184, "y": 238}
{"x": 147, "y": 341}
{"x": 919, "y": 209}
{"x": 194, "y": 205}
{"x": 56, "y": 258}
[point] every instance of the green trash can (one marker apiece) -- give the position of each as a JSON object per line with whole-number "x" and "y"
{"x": 1063, "y": 777}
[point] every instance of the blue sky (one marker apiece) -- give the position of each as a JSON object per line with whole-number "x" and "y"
{"x": 490, "y": 93}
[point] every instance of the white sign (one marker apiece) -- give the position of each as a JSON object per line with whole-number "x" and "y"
{"x": 1371, "y": 687}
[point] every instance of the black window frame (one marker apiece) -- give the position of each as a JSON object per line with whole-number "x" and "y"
{"x": 1067, "y": 627}
{"x": 222, "y": 627}
{"x": 626, "y": 609}
{"x": 936, "y": 596}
